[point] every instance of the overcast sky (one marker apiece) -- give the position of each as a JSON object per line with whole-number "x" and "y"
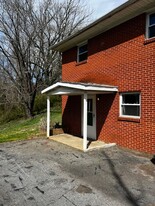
{"x": 101, "y": 7}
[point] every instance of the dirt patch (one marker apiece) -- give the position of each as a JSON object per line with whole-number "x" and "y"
{"x": 83, "y": 189}
{"x": 148, "y": 169}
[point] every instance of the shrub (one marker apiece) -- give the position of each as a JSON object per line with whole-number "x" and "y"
{"x": 41, "y": 103}
{"x": 9, "y": 114}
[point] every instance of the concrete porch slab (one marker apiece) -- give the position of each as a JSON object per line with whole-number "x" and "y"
{"x": 77, "y": 142}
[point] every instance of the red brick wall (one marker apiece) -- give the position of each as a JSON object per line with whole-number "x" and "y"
{"x": 120, "y": 57}
{"x": 71, "y": 117}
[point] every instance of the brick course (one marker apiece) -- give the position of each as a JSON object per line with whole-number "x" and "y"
{"x": 120, "y": 57}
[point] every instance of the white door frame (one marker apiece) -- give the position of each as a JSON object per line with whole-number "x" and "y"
{"x": 84, "y": 126}
{"x": 91, "y": 130}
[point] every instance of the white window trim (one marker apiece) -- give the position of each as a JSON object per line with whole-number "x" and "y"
{"x": 120, "y": 105}
{"x": 78, "y": 46}
{"x": 148, "y": 25}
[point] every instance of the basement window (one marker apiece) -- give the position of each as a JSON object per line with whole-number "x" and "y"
{"x": 82, "y": 53}
{"x": 150, "y": 26}
{"x": 130, "y": 105}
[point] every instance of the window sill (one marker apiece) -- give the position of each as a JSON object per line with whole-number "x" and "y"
{"x": 128, "y": 119}
{"x": 82, "y": 62}
{"x": 148, "y": 41}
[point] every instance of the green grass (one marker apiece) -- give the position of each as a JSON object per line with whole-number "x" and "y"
{"x": 26, "y": 129}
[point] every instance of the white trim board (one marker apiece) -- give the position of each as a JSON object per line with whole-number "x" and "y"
{"x": 63, "y": 88}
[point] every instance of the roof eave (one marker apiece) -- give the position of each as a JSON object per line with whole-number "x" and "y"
{"x": 126, "y": 11}
{"x": 62, "y": 88}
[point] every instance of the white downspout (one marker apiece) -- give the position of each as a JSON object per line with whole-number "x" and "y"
{"x": 48, "y": 116}
{"x": 85, "y": 122}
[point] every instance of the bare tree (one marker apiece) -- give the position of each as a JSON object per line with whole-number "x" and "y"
{"x": 9, "y": 97}
{"x": 28, "y": 29}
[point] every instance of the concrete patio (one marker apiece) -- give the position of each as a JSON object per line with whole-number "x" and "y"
{"x": 77, "y": 142}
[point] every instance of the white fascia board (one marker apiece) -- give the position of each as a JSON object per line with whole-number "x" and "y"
{"x": 104, "y": 88}
{"x": 121, "y": 14}
{"x": 89, "y": 88}
{"x": 59, "y": 46}
{"x": 50, "y": 88}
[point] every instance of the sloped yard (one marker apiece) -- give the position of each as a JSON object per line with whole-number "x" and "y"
{"x": 26, "y": 128}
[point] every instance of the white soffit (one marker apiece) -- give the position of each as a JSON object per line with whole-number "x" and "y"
{"x": 63, "y": 88}
{"x": 123, "y": 13}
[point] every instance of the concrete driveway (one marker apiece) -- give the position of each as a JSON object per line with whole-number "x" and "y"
{"x": 42, "y": 172}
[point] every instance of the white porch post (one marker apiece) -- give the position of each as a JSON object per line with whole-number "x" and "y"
{"x": 48, "y": 116}
{"x": 85, "y": 121}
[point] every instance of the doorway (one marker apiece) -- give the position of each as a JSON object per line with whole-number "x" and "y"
{"x": 91, "y": 117}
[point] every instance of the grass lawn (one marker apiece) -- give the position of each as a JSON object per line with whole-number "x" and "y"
{"x": 29, "y": 128}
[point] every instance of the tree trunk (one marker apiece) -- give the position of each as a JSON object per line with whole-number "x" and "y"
{"x": 29, "y": 105}
{"x": 29, "y": 112}
{"x": 27, "y": 33}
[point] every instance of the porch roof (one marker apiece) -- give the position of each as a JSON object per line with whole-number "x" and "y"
{"x": 70, "y": 88}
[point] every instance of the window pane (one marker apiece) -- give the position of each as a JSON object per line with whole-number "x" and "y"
{"x": 130, "y": 98}
{"x": 152, "y": 19}
{"x": 90, "y": 105}
{"x": 131, "y": 110}
{"x": 90, "y": 119}
{"x": 83, "y": 57}
{"x": 82, "y": 49}
{"x": 152, "y": 32}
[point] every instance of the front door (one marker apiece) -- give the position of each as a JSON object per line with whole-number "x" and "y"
{"x": 91, "y": 117}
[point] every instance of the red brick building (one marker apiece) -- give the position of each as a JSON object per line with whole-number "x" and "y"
{"x": 108, "y": 78}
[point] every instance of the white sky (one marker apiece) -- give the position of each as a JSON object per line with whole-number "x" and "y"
{"x": 101, "y": 7}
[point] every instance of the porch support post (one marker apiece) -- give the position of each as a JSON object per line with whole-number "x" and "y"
{"x": 85, "y": 122}
{"x": 48, "y": 116}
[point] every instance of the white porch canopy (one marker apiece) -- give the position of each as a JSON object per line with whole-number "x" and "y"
{"x": 67, "y": 88}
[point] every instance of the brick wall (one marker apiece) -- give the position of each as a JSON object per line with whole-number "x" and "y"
{"x": 71, "y": 117}
{"x": 123, "y": 58}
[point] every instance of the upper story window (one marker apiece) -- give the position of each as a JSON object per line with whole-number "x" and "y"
{"x": 150, "y": 25}
{"x": 130, "y": 105}
{"x": 82, "y": 53}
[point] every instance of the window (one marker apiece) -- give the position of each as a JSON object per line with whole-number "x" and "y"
{"x": 82, "y": 53}
{"x": 151, "y": 25}
{"x": 90, "y": 112}
{"x": 130, "y": 105}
